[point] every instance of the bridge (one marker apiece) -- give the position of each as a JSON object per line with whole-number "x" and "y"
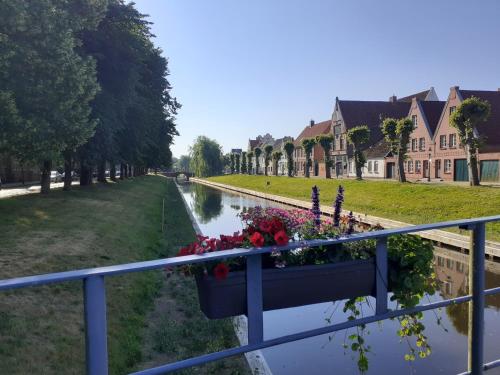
{"x": 176, "y": 174}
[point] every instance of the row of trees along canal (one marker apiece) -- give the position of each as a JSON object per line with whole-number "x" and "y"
{"x": 82, "y": 83}
{"x": 464, "y": 119}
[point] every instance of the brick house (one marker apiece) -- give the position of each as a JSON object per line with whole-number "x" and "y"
{"x": 351, "y": 113}
{"x": 317, "y": 157}
{"x": 375, "y": 161}
{"x": 425, "y": 116}
{"x": 450, "y": 159}
{"x": 261, "y": 141}
{"x": 283, "y": 161}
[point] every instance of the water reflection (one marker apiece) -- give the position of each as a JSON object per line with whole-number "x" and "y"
{"x": 206, "y": 203}
{"x": 449, "y": 349}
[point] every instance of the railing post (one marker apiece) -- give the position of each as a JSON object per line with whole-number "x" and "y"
{"x": 381, "y": 276}
{"x": 476, "y": 306}
{"x": 254, "y": 299}
{"x": 96, "y": 348}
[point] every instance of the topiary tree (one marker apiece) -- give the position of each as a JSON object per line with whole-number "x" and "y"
{"x": 237, "y": 163}
{"x": 276, "y": 158}
{"x": 325, "y": 141}
{"x": 268, "y": 150}
{"x": 289, "y": 148}
{"x": 468, "y": 115}
{"x": 358, "y": 136}
{"x": 231, "y": 165}
{"x": 250, "y": 162}
{"x": 257, "y": 151}
{"x": 308, "y": 145}
{"x": 244, "y": 166}
{"x": 397, "y": 133}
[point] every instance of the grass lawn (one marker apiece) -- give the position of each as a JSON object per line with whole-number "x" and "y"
{"x": 41, "y": 328}
{"x": 409, "y": 202}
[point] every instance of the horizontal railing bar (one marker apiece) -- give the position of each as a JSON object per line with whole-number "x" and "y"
{"x": 37, "y": 280}
{"x": 195, "y": 361}
{"x": 486, "y": 367}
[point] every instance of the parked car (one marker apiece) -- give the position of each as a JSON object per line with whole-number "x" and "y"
{"x": 55, "y": 176}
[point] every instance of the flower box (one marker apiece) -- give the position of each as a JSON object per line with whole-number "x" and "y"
{"x": 287, "y": 287}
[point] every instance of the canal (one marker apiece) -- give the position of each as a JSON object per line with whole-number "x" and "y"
{"x": 446, "y": 329}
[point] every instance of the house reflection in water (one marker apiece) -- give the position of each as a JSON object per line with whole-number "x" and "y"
{"x": 452, "y": 273}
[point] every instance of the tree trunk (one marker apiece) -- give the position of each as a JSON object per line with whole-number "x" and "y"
{"x": 472, "y": 166}
{"x": 112, "y": 171}
{"x": 85, "y": 174}
{"x": 129, "y": 174}
{"x": 266, "y": 164}
{"x": 45, "y": 181}
{"x": 68, "y": 169}
{"x": 328, "y": 172}
{"x": 308, "y": 162}
{"x": 401, "y": 170}
{"x": 101, "y": 171}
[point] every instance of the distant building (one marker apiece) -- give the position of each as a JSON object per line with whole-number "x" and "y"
{"x": 317, "y": 167}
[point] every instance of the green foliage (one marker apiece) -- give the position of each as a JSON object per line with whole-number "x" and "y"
{"x": 257, "y": 151}
{"x": 244, "y": 165}
{"x": 206, "y": 157}
{"x": 289, "y": 148}
{"x": 250, "y": 156}
{"x": 276, "y": 158}
{"x": 268, "y": 150}
{"x": 232, "y": 164}
{"x": 237, "y": 163}
{"x": 358, "y": 136}
{"x": 397, "y": 134}
{"x": 183, "y": 164}
{"x": 308, "y": 145}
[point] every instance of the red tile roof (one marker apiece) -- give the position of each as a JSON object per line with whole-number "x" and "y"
{"x": 309, "y": 131}
{"x": 490, "y": 129}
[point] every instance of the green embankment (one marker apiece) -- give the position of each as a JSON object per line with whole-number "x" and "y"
{"x": 409, "y": 202}
{"x": 42, "y": 330}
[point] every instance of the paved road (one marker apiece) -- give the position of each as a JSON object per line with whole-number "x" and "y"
{"x": 23, "y": 190}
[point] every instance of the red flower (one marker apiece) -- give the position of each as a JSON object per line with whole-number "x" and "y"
{"x": 265, "y": 226}
{"x": 257, "y": 239}
{"x": 184, "y": 251}
{"x": 276, "y": 225}
{"x": 251, "y": 230}
{"x": 221, "y": 271}
{"x": 281, "y": 238}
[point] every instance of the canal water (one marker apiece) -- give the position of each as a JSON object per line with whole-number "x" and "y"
{"x": 215, "y": 212}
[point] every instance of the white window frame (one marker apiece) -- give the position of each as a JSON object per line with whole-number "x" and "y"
{"x": 421, "y": 144}
{"x": 418, "y": 166}
{"x": 443, "y": 145}
{"x": 414, "y": 121}
{"x": 375, "y": 166}
{"x": 453, "y": 140}
{"x": 410, "y": 166}
{"x": 447, "y": 165}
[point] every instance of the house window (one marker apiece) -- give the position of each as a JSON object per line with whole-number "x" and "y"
{"x": 410, "y": 166}
{"x": 414, "y": 143}
{"x": 447, "y": 166}
{"x": 414, "y": 120}
{"x": 453, "y": 141}
{"x": 442, "y": 141}
{"x": 370, "y": 167}
{"x": 452, "y": 109}
{"x": 418, "y": 166}
{"x": 375, "y": 166}
{"x": 341, "y": 143}
{"x": 421, "y": 144}
{"x": 337, "y": 130}
{"x": 350, "y": 167}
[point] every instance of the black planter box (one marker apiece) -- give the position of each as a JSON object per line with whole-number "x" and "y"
{"x": 287, "y": 287}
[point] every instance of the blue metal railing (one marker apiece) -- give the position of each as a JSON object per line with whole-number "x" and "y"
{"x": 95, "y": 296}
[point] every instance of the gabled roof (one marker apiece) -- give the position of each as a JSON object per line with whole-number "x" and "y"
{"x": 432, "y": 111}
{"x": 371, "y": 114}
{"x": 379, "y": 150}
{"x": 253, "y": 143}
{"x": 312, "y": 131}
{"x": 422, "y": 95}
{"x": 490, "y": 129}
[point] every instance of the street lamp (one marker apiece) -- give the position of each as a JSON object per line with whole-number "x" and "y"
{"x": 429, "y": 166}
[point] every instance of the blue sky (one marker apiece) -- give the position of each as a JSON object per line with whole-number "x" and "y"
{"x": 242, "y": 68}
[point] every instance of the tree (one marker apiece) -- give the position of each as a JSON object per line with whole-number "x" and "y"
{"x": 289, "y": 148}
{"x": 325, "y": 141}
{"x": 50, "y": 82}
{"x": 466, "y": 118}
{"x": 276, "y": 158}
{"x": 358, "y": 136}
{"x": 232, "y": 164}
{"x": 244, "y": 166}
{"x": 183, "y": 164}
{"x": 307, "y": 146}
{"x": 237, "y": 163}
{"x": 206, "y": 157}
{"x": 250, "y": 162}
{"x": 397, "y": 133}
{"x": 268, "y": 150}
{"x": 257, "y": 152}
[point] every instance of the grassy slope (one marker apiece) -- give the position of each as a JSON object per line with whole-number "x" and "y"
{"x": 412, "y": 203}
{"x": 41, "y": 329}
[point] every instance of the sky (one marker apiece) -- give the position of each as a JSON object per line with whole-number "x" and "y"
{"x": 241, "y": 68}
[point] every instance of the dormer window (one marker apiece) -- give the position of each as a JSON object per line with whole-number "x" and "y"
{"x": 414, "y": 120}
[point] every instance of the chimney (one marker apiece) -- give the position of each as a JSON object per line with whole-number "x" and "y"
{"x": 393, "y": 99}
{"x": 311, "y": 123}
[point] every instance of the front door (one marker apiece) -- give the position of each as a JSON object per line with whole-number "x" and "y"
{"x": 338, "y": 169}
{"x": 437, "y": 167}
{"x": 461, "y": 170}
{"x": 390, "y": 170}
{"x": 489, "y": 170}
